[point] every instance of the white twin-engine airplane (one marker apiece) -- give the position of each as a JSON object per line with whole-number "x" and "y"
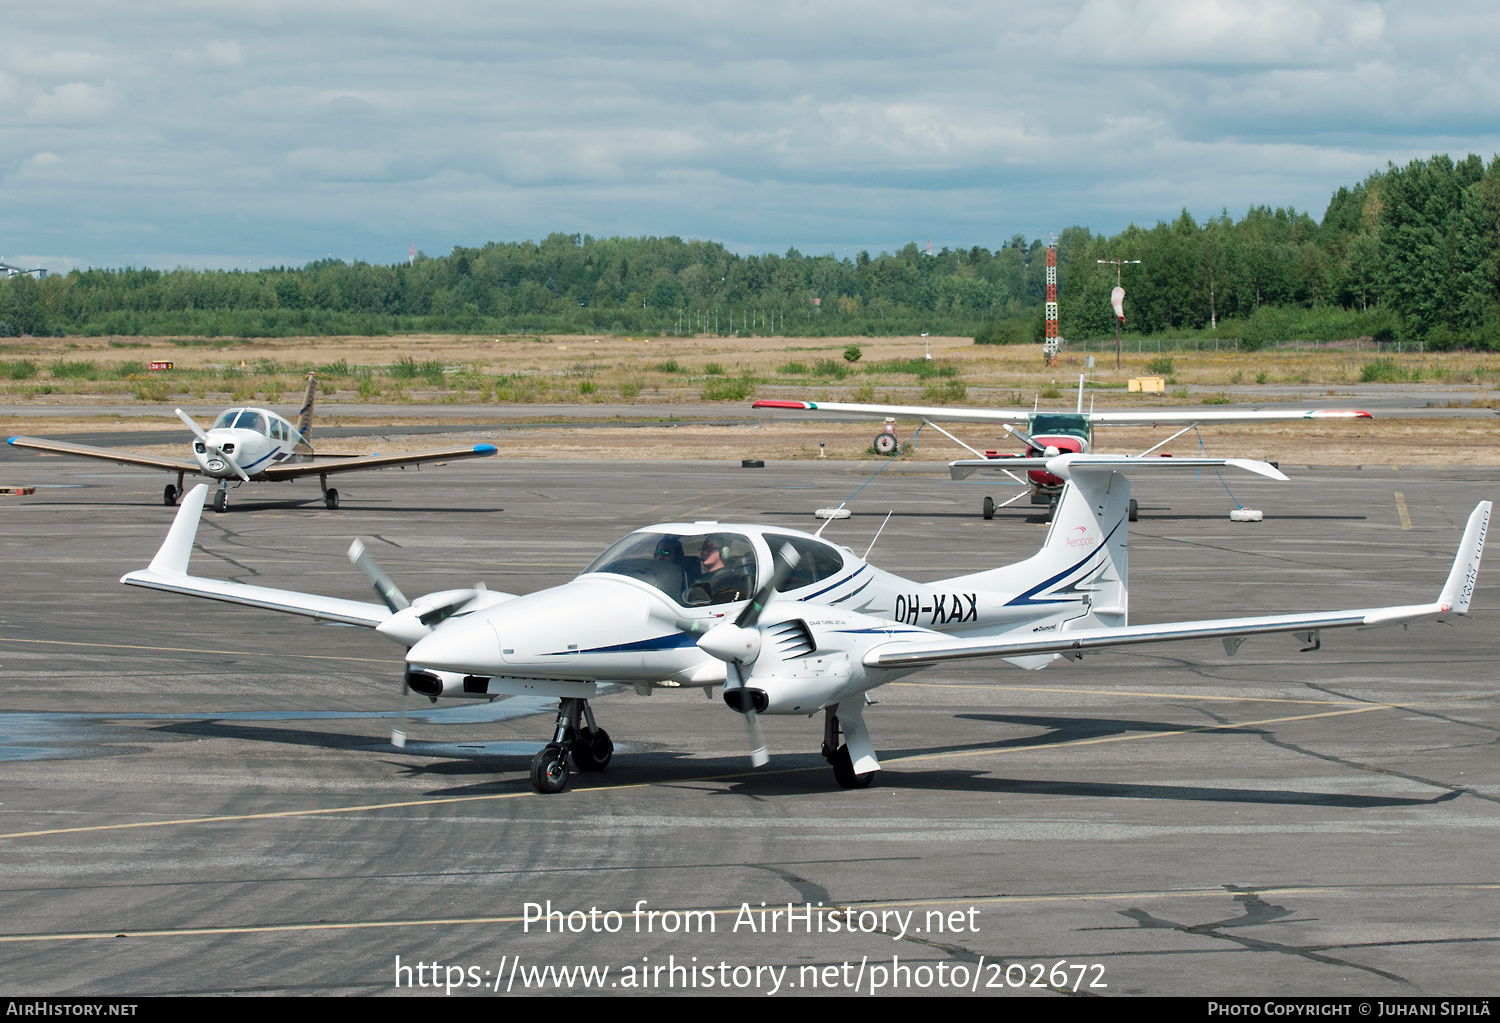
{"x": 786, "y": 622}
{"x": 247, "y": 444}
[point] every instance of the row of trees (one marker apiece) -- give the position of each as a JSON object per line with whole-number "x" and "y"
{"x": 1410, "y": 252}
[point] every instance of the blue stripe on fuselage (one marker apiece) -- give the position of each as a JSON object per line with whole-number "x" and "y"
{"x": 1025, "y": 598}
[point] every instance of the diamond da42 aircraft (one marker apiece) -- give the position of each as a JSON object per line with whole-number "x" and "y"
{"x": 1045, "y": 432}
{"x": 246, "y": 444}
{"x": 784, "y": 621}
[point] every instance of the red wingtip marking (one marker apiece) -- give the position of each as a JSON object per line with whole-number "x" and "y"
{"x": 780, "y": 404}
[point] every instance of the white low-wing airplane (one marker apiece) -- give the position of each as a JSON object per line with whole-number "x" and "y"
{"x": 786, "y": 622}
{"x": 1046, "y": 433}
{"x": 246, "y": 444}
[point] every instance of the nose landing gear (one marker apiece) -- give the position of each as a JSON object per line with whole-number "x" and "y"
{"x": 577, "y": 737}
{"x": 221, "y": 497}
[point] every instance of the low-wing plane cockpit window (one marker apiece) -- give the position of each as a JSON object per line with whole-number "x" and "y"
{"x": 251, "y": 420}
{"x": 816, "y": 561}
{"x": 692, "y": 568}
{"x": 226, "y": 419}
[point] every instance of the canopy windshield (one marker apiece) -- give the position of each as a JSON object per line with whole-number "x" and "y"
{"x": 693, "y": 569}
{"x": 226, "y": 419}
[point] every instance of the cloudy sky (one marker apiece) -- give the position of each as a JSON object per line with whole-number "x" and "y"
{"x": 160, "y": 133}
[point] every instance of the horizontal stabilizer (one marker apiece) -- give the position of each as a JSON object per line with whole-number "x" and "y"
{"x": 1066, "y": 466}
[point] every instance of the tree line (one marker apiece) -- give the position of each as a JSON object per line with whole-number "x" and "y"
{"x": 1410, "y": 252}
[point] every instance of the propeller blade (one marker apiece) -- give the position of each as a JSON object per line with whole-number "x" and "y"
{"x": 388, "y": 592}
{"x": 197, "y": 430}
{"x": 784, "y": 561}
{"x": 735, "y": 673}
{"x": 234, "y": 465}
{"x": 398, "y": 734}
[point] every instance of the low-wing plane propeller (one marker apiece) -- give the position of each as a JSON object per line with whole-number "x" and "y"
{"x": 786, "y": 622}
{"x": 1047, "y": 433}
{"x": 253, "y": 444}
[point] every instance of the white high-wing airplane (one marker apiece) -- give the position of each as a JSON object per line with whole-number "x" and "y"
{"x": 1046, "y": 433}
{"x": 246, "y": 444}
{"x": 672, "y": 605}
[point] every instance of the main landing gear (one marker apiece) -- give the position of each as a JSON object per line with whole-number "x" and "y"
{"x": 170, "y": 495}
{"x": 330, "y": 497}
{"x": 838, "y": 756}
{"x": 576, "y": 737}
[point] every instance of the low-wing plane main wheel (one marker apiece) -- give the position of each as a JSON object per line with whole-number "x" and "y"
{"x": 170, "y": 495}
{"x": 843, "y": 771}
{"x": 885, "y": 444}
{"x": 1135, "y": 511}
{"x": 549, "y": 769}
{"x": 989, "y": 507}
{"x": 330, "y": 499}
{"x": 221, "y": 500}
{"x": 592, "y": 749}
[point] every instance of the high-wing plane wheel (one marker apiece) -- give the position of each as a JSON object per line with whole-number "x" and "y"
{"x": 843, "y": 771}
{"x": 330, "y": 499}
{"x": 170, "y": 495}
{"x": 549, "y": 769}
{"x": 885, "y": 444}
{"x": 989, "y": 507}
{"x": 1135, "y": 510}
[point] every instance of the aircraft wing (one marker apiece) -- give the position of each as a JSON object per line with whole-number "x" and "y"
{"x": 1065, "y": 465}
{"x": 354, "y": 464}
{"x": 169, "y": 571}
{"x": 62, "y": 447}
{"x": 943, "y": 415}
{"x": 1177, "y": 417}
{"x": 1453, "y": 599}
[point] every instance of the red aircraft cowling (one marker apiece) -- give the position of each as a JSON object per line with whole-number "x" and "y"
{"x": 1063, "y": 444}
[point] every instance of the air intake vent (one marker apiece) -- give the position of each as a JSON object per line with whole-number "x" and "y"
{"x": 792, "y": 639}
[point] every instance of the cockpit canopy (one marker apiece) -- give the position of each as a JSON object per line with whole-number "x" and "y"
{"x": 693, "y": 569}
{"x": 241, "y": 419}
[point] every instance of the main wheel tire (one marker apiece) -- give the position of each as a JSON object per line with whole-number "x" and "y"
{"x": 330, "y": 499}
{"x": 592, "y": 751}
{"x": 169, "y": 496}
{"x": 549, "y": 770}
{"x": 885, "y": 444}
{"x": 1135, "y": 510}
{"x": 843, "y": 771}
{"x": 989, "y": 507}
{"x": 221, "y": 500}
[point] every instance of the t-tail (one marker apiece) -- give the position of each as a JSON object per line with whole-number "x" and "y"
{"x": 305, "y": 413}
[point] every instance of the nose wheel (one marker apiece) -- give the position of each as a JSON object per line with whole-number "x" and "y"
{"x": 577, "y": 742}
{"x": 221, "y": 500}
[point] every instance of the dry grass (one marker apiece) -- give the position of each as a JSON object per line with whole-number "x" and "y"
{"x": 591, "y": 369}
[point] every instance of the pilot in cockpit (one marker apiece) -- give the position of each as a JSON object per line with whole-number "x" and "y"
{"x": 721, "y": 579}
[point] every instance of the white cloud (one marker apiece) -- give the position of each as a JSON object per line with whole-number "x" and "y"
{"x": 76, "y": 101}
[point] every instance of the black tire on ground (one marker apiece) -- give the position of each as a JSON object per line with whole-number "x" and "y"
{"x": 989, "y": 507}
{"x": 549, "y": 770}
{"x": 752, "y": 463}
{"x": 330, "y": 499}
{"x": 592, "y": 751}
{"x": 169, "y": 496}
{"x": 885, "y": 444}
{"x": 221, "y": 500}
{"x": 843, "y": 771}
{"x": 1135, "y": 510}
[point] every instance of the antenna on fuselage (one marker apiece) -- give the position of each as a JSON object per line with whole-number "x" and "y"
{"x": 877, "y": 534}
{"x": 1080, "y": 394}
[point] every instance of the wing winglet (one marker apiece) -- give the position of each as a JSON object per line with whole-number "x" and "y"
{"x": 177, "y": 548}
{"x": 1459, "y": 589}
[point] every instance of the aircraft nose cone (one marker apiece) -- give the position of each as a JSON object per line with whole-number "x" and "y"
{"x": 467, "y": 646}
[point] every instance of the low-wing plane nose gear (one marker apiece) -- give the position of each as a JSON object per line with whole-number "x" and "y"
{"x": 577, "y": 737}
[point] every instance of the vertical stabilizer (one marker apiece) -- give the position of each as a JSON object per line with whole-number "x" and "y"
{"x": 1082, "y": 571}
{"x": 305, "y": 413}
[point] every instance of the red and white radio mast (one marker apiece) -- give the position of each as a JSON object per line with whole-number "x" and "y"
{"x": 1054, "y": 339}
